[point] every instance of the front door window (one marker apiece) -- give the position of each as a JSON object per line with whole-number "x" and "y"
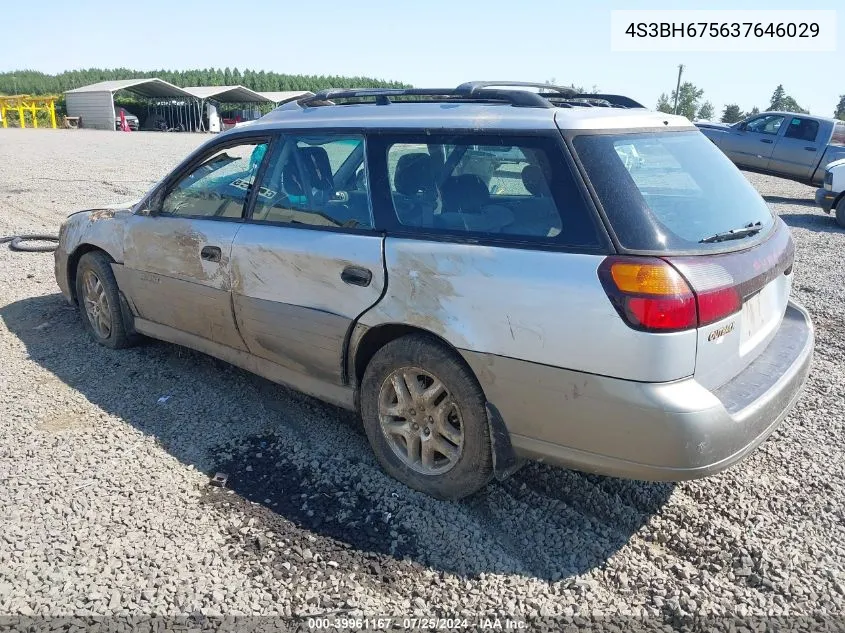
{"x": 219, "y": 186}
{"x": 765, "y": 124}
{"x": 316, "y": 180}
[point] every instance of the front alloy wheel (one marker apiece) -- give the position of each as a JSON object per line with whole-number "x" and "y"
{"x": 96, "y": 304}
{"x": 98, "y": 298}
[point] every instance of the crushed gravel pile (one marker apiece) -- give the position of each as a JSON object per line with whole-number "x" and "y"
{"x": 105, "y": 460}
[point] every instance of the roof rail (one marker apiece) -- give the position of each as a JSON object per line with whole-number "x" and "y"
{"x": 619, "y": 101}
{"x": 382, "y": 95}
{"x": 472, "y": 87}
{"x": 501, "y": 91}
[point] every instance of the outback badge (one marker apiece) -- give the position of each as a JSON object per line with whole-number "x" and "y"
{"x": 720, "y": 332}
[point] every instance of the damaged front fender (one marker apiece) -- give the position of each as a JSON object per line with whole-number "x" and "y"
{"x": 83, "y": 231}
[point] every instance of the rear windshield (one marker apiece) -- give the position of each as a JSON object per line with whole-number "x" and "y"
{"x": 838, "y": 133}
{"x": 669, "y": 191}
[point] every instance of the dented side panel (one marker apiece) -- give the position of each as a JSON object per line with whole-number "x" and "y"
{"x": 102, "y": 228}
{"x": 608, "y": 418}
{"x": 659, "y": 431}
{"x": 168, "y": 282}
{"x": 299, "y": 338}
{"x": 540, "y": 306}
{"x": 291, "y": 304}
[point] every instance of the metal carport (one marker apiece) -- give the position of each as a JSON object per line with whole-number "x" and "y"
{"x": 279, "y": 98}
{"x": 232, "y": 95}
{"x": 95, "y": 103}
{"x": 227, "y": 94}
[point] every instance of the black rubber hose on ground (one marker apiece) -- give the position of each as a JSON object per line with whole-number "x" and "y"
{"x": 16, "y": 243}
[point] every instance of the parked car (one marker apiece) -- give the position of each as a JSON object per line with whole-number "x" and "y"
{"x": 614, "y": 298}
{"x": 131, "y": 119}
{"x": 831, "y": 196}
{"x": 238, "y": 117}
{"x": 792, "y": 146}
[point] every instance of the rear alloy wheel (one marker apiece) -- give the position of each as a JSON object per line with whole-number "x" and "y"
{"x": 840, "y": 212}
{"x": 99, "y": 301}
{"x": 424, "y": 415}
{"x": 421, "y": 421}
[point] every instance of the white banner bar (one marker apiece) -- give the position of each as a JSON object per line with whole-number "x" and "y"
{"x": 719, "y": 31}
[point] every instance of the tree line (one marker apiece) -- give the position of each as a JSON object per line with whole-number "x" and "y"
{"x": 690, "y": 97}
{"x": 37, "y": 83}
{"x": 691, "y": 106}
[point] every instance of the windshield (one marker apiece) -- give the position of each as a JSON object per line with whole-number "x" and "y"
{"x": 669, "y": 191}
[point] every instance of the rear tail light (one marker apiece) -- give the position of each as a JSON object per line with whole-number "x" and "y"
{"x": 651, "y": 295}
{"x": 664, "y": 314}
{"x": 715, "y": 305}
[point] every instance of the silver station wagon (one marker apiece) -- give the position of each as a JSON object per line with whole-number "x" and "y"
{"x": 488, "y": 274}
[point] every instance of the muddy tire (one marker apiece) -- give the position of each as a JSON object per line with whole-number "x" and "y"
{"x": 99, "y": 301}
{"x": 840, "y": 212}
{"x": 424, "y": 414}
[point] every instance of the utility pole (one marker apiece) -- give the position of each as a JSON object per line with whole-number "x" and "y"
{"x": 15, "y": 82}
{"x": 678, "y": 88}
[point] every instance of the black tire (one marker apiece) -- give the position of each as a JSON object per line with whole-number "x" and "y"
{"x": 100, "y": 265}
{"x": 840, "y": 212}
{"x": 17, "y": 244}
{"x": 473, "y": 469}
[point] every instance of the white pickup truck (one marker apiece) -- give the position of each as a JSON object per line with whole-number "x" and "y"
{"x": 831, "y": 196}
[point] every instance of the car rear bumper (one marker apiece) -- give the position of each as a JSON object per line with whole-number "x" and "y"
{"x": 653, "y": 431}
{"x": 824, "y": 199}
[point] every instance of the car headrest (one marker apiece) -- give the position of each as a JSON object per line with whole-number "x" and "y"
{"x": 291, "y": 180}
{"x": 534, "y": 181}
{"x": 319, "y": 167}
{"x": 466, "y": 192}
{"x": 415, "y": 176}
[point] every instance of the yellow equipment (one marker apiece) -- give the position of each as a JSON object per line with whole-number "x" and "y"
{"x": 25, "y": 103}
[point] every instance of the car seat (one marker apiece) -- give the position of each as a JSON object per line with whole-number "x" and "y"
{"x": 467, "y": 206}
{"x": 415, "y": 189}
{"x": 537, "y": 215}
{"x": 319, "y": 168}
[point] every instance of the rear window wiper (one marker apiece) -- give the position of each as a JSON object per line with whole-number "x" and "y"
{"x": 751, "y": 228}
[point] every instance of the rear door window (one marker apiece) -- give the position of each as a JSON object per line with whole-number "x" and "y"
{"x": 488, "y": 186}
{"x": 802, "y": 129}
{"x": 838, "y": 137}
{"x": 669, "y": 191}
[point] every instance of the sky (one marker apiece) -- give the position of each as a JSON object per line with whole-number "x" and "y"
{"x": 428, "y": 43}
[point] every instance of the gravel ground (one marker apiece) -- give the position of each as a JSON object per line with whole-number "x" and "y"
{"x": 107, "y": 509}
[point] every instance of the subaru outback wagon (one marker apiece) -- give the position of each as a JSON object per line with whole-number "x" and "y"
{"x": 488, "y": 274}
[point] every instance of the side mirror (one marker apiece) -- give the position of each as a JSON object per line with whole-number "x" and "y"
{"x": 742, "y": 126}
{"x": 152, "y": 206}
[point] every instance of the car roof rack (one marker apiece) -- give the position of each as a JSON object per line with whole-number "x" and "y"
{"x": 383, "y": 96}
{"x": 474, "y": 87}
{"x": 511, "y": 92}
{"x": 614, "y": 101}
